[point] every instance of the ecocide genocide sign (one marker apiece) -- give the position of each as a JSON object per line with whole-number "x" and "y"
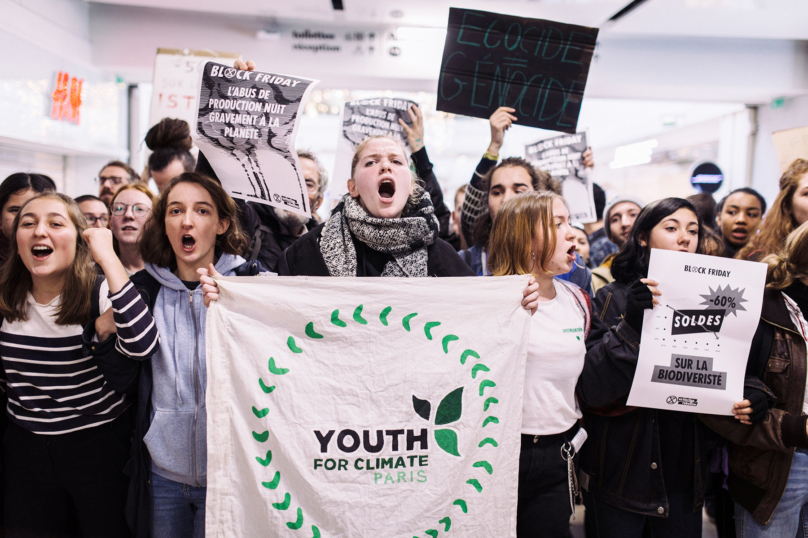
{"x": 364, "y": 407}
{"x": 246, "y": 126}
{"x": 695, "y": 343}
{"x": 361, "y": 119}
{"x": 537, "y": 67}
{"x": 562, "y": 157}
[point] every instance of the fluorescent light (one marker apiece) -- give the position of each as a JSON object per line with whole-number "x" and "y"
{"x": 633, "y": 154}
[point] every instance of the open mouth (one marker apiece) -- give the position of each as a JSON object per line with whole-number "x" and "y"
{"x": 571, "y": 252}
{"x": 739, "y": 233}
{"x": 128, "y": 229}
{"x": 387, "y": 189}
{"x": 41, "y": 252}
{"x": 188, "y": 243}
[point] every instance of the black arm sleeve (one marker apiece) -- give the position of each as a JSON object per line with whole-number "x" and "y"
{"x": 424, "y": 168}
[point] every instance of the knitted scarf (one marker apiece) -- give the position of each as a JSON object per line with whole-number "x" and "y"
{"x": 405, "y": 238}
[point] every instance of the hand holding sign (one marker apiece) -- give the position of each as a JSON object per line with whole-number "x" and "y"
{"x": 538, "y": 68}
{"x": 246, "y": 126}
{"x": 500, "y": 121}
{"x": 415, "y": 133}
{"x": 693, "y": 351}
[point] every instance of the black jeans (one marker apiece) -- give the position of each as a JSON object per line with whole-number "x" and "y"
{"x": 544, "y": 495}
{"x": 606, "y": 521}
{"x": 67, "y": 485}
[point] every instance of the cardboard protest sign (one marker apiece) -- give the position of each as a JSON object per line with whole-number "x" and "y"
{"x": 695, "y": 343}
{"x": 246, "y": 126}
{"x": 364, "y": 407}
{"x": 562, "y": 157}
{"x": 361, "y": 119}
{"x": 791, "y": 144}
{"x": 537, "y": 67}
{"x": 176, "y": 82}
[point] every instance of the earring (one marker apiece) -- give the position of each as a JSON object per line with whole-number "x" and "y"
{"x": 534, "y": 256}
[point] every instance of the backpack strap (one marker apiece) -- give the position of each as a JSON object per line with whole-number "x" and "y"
{"x": 584, "y": 304}
{"x": 257, "y": 240}
{"x": 95, "y": 300}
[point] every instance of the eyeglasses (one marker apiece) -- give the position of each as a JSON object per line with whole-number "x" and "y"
{"x": 138, "y": 210}
{"x": 113, "y": 179}
{"x": 92, "y": 219}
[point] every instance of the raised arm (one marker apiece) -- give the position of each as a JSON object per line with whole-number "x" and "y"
{"x": 474, "y": 202}
{"x": 415, "y": 139}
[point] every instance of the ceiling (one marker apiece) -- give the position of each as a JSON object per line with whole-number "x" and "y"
{"x": 755, "y": 19}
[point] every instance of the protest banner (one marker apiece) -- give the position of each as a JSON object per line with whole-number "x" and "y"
{"x": 562, "y": 157}
{"x": 246, "y": 127}
{"x": 176, "y": 82}
{"x": 361, "y": 119}
{"x": 790, "y": 144}
{"x": 537, "y": 67}
{"x": 364, "y": 407}
{"x": 695, "y": 343}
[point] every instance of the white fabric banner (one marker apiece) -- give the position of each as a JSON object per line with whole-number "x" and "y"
{"x": 695, "y": 342}
{"x": 365, "y": 407}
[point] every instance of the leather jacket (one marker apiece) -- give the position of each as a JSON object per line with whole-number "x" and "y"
{"x": 760, "y": 455}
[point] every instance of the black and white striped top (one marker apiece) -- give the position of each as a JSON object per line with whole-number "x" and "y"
{"x": 53, "y": 383}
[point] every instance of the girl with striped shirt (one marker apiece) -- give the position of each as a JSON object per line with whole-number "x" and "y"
{"x": 67, "y": 374}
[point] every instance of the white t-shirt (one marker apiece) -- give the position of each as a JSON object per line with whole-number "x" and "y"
{"x": 555, "y": 359}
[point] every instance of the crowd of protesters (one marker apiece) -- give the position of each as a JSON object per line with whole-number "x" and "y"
{"x": 103, "y": 300}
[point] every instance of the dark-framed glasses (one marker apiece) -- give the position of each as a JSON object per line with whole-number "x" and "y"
{"x": 92, "y": 219}
{"x": 115, "y": 180}
{"x": 138, "y": 210}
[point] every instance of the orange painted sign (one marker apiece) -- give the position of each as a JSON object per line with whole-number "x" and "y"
{"x": 67, "y": 98}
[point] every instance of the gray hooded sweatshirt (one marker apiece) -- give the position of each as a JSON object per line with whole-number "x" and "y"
{"x": 177, "y": 437}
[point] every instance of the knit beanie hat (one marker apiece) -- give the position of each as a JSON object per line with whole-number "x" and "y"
{"x": 619, "y": 199}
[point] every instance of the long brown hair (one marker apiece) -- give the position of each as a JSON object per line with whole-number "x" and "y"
{"x": 75, "y": 306}
{"x": 509, "y": 249}
{"x": 780, "y": 219}
{"x": 155, "y": 248}
{"x": 791, "y": 262}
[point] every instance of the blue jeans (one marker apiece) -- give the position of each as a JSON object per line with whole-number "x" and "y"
{"x": 788, "y": 518}
{"x": 178, "y": 510}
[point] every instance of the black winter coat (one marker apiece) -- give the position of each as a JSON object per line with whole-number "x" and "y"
{"x": 304, "y": 258}
{"x": 622, "y": 461}
{"x": 271, "y": 237}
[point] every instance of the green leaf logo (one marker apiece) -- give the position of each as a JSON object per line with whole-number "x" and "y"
{"x": 422, "y": 407}
{"x": 447, "y": 440}
{"x": 449, "y": 410}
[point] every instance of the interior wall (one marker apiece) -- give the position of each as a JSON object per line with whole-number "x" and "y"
{"x": 766, "y": 169}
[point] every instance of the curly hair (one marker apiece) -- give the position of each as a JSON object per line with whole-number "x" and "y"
{"x": 75, "y": 306}
{"x": 780, "y": 221}
{"x": 791, "y": 262}
{"x": 155, "y": 248}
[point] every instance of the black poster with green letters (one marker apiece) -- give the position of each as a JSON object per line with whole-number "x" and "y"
{"x": 535, "y": 66}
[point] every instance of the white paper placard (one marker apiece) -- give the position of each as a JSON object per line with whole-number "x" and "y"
{"x": 695, "y": 344}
